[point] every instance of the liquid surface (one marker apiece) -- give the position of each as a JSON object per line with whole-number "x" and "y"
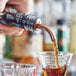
{"x": 54, "y": 72}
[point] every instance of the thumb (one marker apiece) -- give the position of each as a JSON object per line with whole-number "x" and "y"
{"x": 2, "y": 5}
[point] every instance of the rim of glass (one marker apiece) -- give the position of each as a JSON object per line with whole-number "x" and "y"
{"x": 25, "y": 66}
{"x": 17, "y": 66}
{"x": 45, "y": 53}
{"x": 60, "y": 53}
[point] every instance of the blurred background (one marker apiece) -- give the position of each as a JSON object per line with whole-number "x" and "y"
{"x": 60, "y": 16}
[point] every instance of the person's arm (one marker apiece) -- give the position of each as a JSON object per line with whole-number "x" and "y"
{"x": 24, "y": 6}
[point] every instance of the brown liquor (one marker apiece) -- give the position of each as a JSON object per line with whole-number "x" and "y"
{"x": 53, "y": 40}
{"x": 55, "y": 72}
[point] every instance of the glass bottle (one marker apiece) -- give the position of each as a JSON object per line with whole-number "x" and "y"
{"x": 25, "y": 47}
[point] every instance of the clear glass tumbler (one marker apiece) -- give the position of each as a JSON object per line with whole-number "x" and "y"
{"x": 12, "y": 69}
{"x": 47, "y": 60}
{"x": 25, "y": 70}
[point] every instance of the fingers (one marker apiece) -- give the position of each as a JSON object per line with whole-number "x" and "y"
{"x": 16, "y": 2}
{"x": 2, "y": 4}
{"x": 10, "y": 30}
{"x": 21, "y": 6}
{"x": 24, "y": 6}
{"x": 19, "y": 31}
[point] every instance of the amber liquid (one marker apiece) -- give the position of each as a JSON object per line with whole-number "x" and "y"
{"x": 30, "y": 60}
{"x": 54, "y": 72}
{"x": 53, "y": 41}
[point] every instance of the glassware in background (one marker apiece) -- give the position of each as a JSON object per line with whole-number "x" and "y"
{"x": 47, "y": 60}
{"x": 73, "y": 34}
{"x": 73, "y": 27}
{"x": 7, "y": 70}
{"x": 72, "y": 68}
{"x": 17, "y": 70}
{"x": 62, "y": 35}
{"x": 26, "y": 70}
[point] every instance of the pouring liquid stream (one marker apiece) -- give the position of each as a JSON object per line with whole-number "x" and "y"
{"x": 53, "y": 40}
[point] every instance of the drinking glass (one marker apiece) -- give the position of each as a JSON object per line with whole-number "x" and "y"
{"x": 12, "y": 69}
{"x": 47, "y": 60}
{"x": 25, "y": 70}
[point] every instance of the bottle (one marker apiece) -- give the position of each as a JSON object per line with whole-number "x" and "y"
{"x": 19, "y": 46}
{"x": 73, "y": 27}
{"x": 73, "y": 34}
{"x": 22, "y": 20}
{"x": 62, "y": 35}
{"x": 30, "y": 47}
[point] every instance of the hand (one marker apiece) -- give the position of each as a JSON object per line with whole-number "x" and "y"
{"x": 21, "y": 6}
